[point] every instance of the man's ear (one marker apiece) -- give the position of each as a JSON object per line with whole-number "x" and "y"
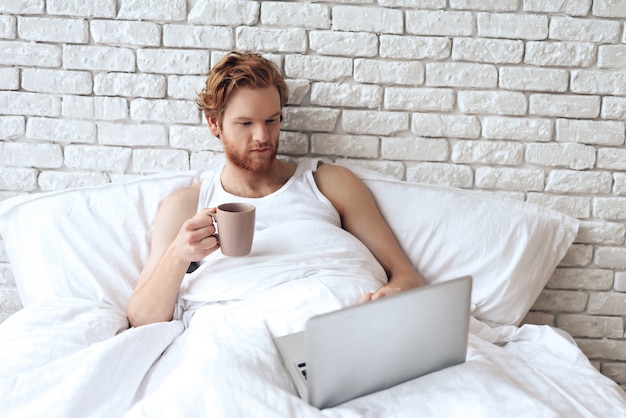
{"x": 213, "y": 125}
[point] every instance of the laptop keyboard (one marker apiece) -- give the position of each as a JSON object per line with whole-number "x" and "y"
{"x": 302, "y": 368}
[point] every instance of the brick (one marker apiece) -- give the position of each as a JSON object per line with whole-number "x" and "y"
{"x": 57, "y": 81}
{"x": 419, "y": 99}
{"x": 494, "y": 5}
{"x": 534, "y": 79}
{"x": 619, "y": 183}
{"x": 560, "y": 54}
{"x": 512, "y": 26}
{"x": 173, "y": 61}
{"x": 470, "y": 75}
{"x": 301, "y": 15}
{"x": 23, "y": 7}
{"x": 370, "y": 122}
{"x": 414, "y": 149}
{"x": 613, "y": 108}
{"x": 591, "y": 326}
{"x": 9, "y": 78}
{"x": 574, "y": 156}
{"x": 539, "y": 318}
{"x": 605, "y": 349}
{"x": 590, "y": 132}
{"x": 578, "y": 278}
{"x": 518, "y": 129}
{"x": 495, "y": 51}
{"x": 293, "y": 143}
{"x": 445, "y": 126}
{"x": 185, "y": 87}
{"x": 292, "y": 40}
{"x": 611, "y": 258}
{"x": 7, "y": 27}
{"x": 192, "y": 138}
{"x": 388, "y": 168}
{"x": 103, "y": 58}
{"x": 439, "y": 23}
{"x": 153, "y": 10}
{"x": 613, "y": 208}
{"x": 12, "y": 126}
{"x": 310, "y": 119}
{"x": 346, "y": 95}
{"x": 584, "y": 30}
{"x": 100, "y": 158}
{"x": 574, "y": 206}
{"x": 367, "y": 19}
{"x": 58, "y": 30}
{"x": 117, "y": 32}
{"x": 567, "y": 7}
{"x": 61, "y": 130}
{"x": 609, "y": 8}
{"x": 159, "y": 160}
{"x": 578, "y": 255}
{"x": 620, "y": 281}
{"x": 565, "y": 105}
{"x": 79, "y": 8}
{"x": 29, "y": 54}
{"x": 615, "y": 371}
{"x": 206, "y": 159}
{"x": 187, "y": 36}
{"x": 159, "y": 110}
{"x": 128, "y": 134}
{"x": 511, "y": 103}
{"x": 21, "y": 154}
{"x": 9, "y": 299}
{"x": 453, "y": 175}
{"x": 414, "y": 47}
{"x": 607, "y": 303}
{"x": 564, "y": 181}
{"x": 298, "y": 89}
{"x": 317, "y": 67}
{"x": 350, "y": 44}
{"x": 561, "y": 301}
{"x": 61, "y": 180}
{"x": 6, "y": 274}
{"x": 606, "y": 233}
{"x": 224, "y": 12}
{"x": 357, "y": 146}
{"x": 526, "y": 179}
{"x": 611, "y": 56}
{"x": 103, "y": 108}
{"x": 487, "y": 152}
{"x": 130, "y": 85}
{"x": 612, "y": 158}
{"x": 36, "y": 104}
{"x": 388, "y": 72}
{"x": 599, "y": 82}
{"x": 18, "y": 179}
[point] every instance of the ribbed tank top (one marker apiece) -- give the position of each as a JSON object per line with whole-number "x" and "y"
{"x": 298, "y": 199}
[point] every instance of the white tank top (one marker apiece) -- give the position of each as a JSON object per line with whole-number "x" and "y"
{"x": 298, "y": 199}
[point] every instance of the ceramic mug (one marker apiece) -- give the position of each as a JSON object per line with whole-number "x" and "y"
{"x": 235, "y": 228}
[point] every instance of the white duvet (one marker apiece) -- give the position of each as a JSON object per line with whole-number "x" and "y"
{"x": 76, "y": 357}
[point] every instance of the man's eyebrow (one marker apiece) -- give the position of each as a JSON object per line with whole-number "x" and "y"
{"x": 275, "y": 115}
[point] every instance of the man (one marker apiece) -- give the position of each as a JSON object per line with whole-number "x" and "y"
{"x": 242, "y": 103}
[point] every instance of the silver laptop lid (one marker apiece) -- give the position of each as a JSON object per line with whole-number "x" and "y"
{"x": 376, "y": 345}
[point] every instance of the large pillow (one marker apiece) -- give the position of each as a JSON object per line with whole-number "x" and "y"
{"x": 87, "y": 242}
{"x": 510, "y": 247}
{"x": 92, "y": 242}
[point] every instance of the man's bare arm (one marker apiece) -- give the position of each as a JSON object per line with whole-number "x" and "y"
{"x": 360, "y": 216}
{"x": 180, "y": 236}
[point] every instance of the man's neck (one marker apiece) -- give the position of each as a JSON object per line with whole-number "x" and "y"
{"x": 241, "y": 182}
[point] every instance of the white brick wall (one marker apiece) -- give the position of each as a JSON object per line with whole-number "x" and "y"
{"x": 523, "y": 98}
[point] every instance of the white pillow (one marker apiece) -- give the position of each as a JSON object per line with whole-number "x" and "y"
{"x": 92, "y": 242}
{"x": 511, "y": 248}
{"x": 86, "y": 243}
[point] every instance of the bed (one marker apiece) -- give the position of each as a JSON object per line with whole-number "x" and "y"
{"x": 76, "y": 256}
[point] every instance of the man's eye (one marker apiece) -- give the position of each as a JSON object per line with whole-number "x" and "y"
{"x": 270, "y": 121}
{"x": 244, "y": 123}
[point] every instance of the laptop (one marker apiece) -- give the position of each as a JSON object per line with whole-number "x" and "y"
{"x": 361, "y": 349}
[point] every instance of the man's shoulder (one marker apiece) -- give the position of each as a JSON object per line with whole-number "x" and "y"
{"x": 184, "y": 195}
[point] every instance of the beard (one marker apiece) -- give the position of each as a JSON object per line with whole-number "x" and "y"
{"x": 243, "y": 159}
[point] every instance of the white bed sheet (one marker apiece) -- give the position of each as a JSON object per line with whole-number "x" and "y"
{"x": 74, "y": 357}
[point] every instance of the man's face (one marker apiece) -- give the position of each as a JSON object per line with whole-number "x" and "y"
{"x": 250, "y": 128}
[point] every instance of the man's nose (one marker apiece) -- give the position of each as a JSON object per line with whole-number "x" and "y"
{"x": 261, "y": 133}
